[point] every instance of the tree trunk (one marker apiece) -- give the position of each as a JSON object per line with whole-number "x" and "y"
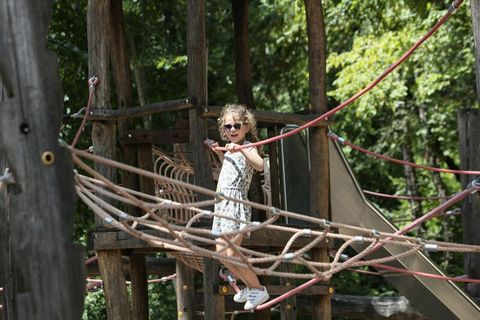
{"x": 475, "y": 8}
{"x": 412, "y": 186}
{"x": 44, "y": 270}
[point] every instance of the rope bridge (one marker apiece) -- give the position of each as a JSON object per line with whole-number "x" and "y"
{"x": 194, "y": 237}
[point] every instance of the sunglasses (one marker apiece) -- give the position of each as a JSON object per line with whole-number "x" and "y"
{"x": 229, "y": 127}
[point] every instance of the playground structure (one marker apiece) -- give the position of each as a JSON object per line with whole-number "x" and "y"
{"x": 108, "y": 44}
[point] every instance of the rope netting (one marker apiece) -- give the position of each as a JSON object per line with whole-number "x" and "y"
{"x": 110, "y": 202}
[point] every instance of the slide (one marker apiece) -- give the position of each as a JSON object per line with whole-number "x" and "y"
{"x": 435, "y": 299}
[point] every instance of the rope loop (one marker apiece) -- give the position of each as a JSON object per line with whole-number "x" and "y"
{"x": 474, "y": 186}
{"x": 7, "y": 176}
{"x": 325, "y": 223}
{"x": 332, "y": 135}
{"x": 430, "y": 247}
{"x": 375, "y": 233}
{"x": 454, "y": 6}
{"x": 92, "y": 82}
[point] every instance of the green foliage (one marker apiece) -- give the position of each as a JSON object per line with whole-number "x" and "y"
{"x": 94, "y": 308}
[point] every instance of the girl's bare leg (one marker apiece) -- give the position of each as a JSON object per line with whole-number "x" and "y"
{"x": 245, "y": 274}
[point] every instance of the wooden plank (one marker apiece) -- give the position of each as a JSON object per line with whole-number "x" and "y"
{"x": 185, "y": 292}
{"x": 155, "y": 266}
{"x": 271, "y": 117}
{"x": 156, "y": 136}
{"x": 214, "y": 305}
{"x": 40, "y": 206}
{"x": 469, "y": 138}
{"x": 259, "y": 239}
{"x": 137, "y": 111}
{"x": 114, "y": 283}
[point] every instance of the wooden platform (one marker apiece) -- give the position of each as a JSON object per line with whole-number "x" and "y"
{"x": 272, "y": 239}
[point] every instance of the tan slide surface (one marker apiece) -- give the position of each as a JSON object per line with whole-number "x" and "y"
{"x": 435, "y": 299}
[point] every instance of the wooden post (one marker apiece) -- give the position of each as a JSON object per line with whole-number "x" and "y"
{"x": 123, "y": 85}
{"x": 104, "y": 144}
{"x": 215, "y": 308}
{"x": 469, "y": 137}
{"x": 243, "y": 67}
{"x": 475, "y": 8}
{"x": 319, "y": 172}
{"x": 197, "y": 89}
{"x": 44, "y": 269}
{"x": 185, "y": 292}
{"x": 111, "y": 268}
{"x": 5, "y": 249}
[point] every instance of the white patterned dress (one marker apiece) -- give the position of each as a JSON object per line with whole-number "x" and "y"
{"x": 233, "y": 181}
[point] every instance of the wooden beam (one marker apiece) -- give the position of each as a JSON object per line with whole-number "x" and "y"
{"x": 263, "y": 238}
{"x": 156, "y": 136}
{"x": 155, "y": 266}
{"x": 270, "y": 117}
{"x": 137, "y": 111}
{"x": 278, "y": 290}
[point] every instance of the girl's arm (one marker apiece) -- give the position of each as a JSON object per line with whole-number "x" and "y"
{"x": 253, "y": 158}
{"x": 212, "y": 144}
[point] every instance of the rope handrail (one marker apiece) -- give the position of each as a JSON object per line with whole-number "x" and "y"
{"x": 345, "y": 142}
{"x": 403, "y": 197}
{"x": 92, "y": 83}
{"x": 452, "y": 8}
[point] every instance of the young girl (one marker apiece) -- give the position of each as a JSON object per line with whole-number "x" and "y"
{"x": 238, "y": 126}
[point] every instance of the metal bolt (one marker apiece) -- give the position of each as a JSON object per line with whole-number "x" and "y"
{"x": 48, "y": 158}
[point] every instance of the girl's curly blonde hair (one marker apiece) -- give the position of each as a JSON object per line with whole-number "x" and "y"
{"x": 241, "y": 114}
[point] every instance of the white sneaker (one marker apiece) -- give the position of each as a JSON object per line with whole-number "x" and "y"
{"x": 242, "y": 295}
{"x": 256, "y": 297}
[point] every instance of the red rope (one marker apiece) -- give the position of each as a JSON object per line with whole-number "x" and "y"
{"x": 401, "y": 197}
{"x": 90, "y": 260}
{"x": 425, "y": 275}
{"x": 92, "y": 82}
{"x": 416, "y": 273}
{"x": 402, "y": 162}
{"x": 392, "y": 67}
